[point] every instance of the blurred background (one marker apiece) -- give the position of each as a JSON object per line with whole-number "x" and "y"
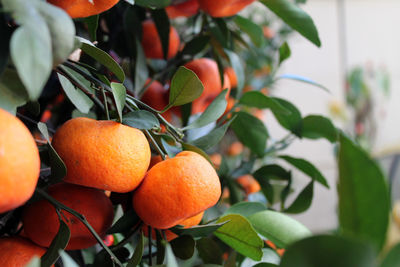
{"x": 359, "y": 62}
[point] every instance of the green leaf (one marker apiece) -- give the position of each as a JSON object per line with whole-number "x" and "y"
{"x": 302, "y": 79}
{"x": 125, "y": 223}
{"x": 141, "y": 70}
{"x": 253, "y": 30}
{"x": 12, "y": 91}
{"x": 303, "y": 200}
{"x": 265, "y": 264}
{"x": 92, "y": 23}
{"x": 170, "y": 258}
{"x": 137, "y": 255}
{"x": 281, "y": 229}
{"x": 240, "y": 235}
{"x": 62, "y": 31}
{"x": 257, "y": 99}
{"x": 161, "y": 21}
{"x": 153, "y": 3}
{"x": 81, "y": 101}
{"x": 315, "y": 126}
{"x": 392, "y": 259}
{"x": 284, "y": 52}
{"x": 183, "y": 247}
{"x": 119, "y": 93}
{"x": 328, "y": 251}
{"x": 30, "y": 48}
{"x": 245, "y": 208}
{"x": 213, "y": 137}
{"x": 238, "y": 68}
{"x": 363, "y": 195}
{"x": 307, "y": 168}
{"x": 58, "y": 168}
{"x": 34, "y": 262}
{"x": 293, "y": 121}
{"x": 251, "y": 132}
{"x": 67, "y": 260}
{"x": 196, "y": 45}
{"x": 102, "y": 57}
{"x": 76, "y": 114}
{"x": 59, "y": 242}
{"x": 295, "y": 17}
{"x": 212, "y": 113}
{"x": 209, "y": 251}
{"x": 197, "y": 231}
{"x": 141, "y": 119}
{"x": 185, "y": 87}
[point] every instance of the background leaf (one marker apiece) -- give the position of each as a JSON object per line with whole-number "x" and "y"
{"x": 253, "y": 30}
{"x": 141, "y": 119}
{"x": 303, "y": 200}
{"x": 59, "y": 242}
{"x": 119, "y": 93}
{"x": 316, "y": 126}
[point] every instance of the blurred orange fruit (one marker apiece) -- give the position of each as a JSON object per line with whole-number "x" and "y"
{"x": 185, "y": 9}
{"x": 157, "y": 97}
{"x": 18, "y": 252}
{"x": 231, "y": 75}
{"x": 249, "y": 184}
{"x": 223, "y": 8}
{"x": 19, "y": 162}
{"x": 216, "y": 159}
{"x": 83, "y": 8}
{"x": 235, "y": 149}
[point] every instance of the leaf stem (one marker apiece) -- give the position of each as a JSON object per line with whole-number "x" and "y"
{"x": 149, "y": 237}
{"x": 154, "y": 143}
{"x": 105, "y": 103}
{"x": 82, "y": 218}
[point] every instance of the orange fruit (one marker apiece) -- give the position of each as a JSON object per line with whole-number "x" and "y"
{"x": 230, "y": 105}
{"x": 175, "y": 189}
{"x": 207, "y": 71}
{"x": 216, "y": 159}
{"x": 268, "y": 32}
{"x": 223, "y": 8}
{"x": 157, "y": 97}
{"x": 102, "y": 154}
{"x": 84, "y": 8}
{"x": 185, "y": 9}
{"x": 235, "y": 149}
{"x": 19, "y": 162}
{"x": 249, "y": 184}
{"x": 187, "y": 223}
{"x": 230, "y": 72}
{"x": 18, "y": 252}
{"x": 151, "y": 42}
{"x": 41, "y": 222}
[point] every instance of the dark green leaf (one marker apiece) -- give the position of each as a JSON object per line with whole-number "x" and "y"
{"x": 245, "y": 208}
{"x": 5, "y": 32}
{"x": 293, "y": 121}
{"x": 265, "y": 264}
{"x": 209, "y": 251}
{"x": 295, "y": 18}
{"x": 284, "y": 52}
{"x": 328, "y": 251}
{"x": 80, "y": 100}
{"x": 253, "y": 30}
{"x": 12, "y": 91}
{"x": 141, "y": 119}
{"x": 238, "y": 68}
{"x": 392, "y": 258}
{"x": 212, "y": 113}
{"x": 92, "y": 24}
{"x": 363, "y": 195}
{"x": 251, "y": 132}
{"x": 303, "y": 200}
{"x": 240, "y": 235}
{"x": 137, "y": 255}
{"x": 281, "y": 229}
{"x": 307, "y": 168}
{"x": 153, "y": 3}
{"x": 59, "y": 242}
{"x": 185, "y": 87}
{"x": 160, "y": 248}
{"x": 161, "y": 21}
{"x": 196, "y": 45}
{"x": 212, "y": 138}
{"x": 102, "y": 57}
{"x": 141, "y": 70}
{"x": 103, "y": 259}
{"x": 119, "y": 93}
{"x": 259, "y": 100}
{"x": 125, "y": 223}
{"x": 315, "y": 126}
{"x": 197, "y": 231}
{"x": 183, "y": 247}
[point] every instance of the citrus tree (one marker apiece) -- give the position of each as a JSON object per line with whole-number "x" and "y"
{"x": 131, "y": 133}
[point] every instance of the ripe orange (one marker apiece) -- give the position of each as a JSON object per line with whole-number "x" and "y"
{"x": 223, "y": 8}
{"x": 185, "y": 9}
{"x": 249, "y": 184}
{"x": 216, "y": 159}
{"x": 175, "y": 189}
{"x": 83, "y": 8}
{"x": 102, "y": 154}
{"x": 235, "y": 149}
{"x": 18, "y": 252}
{"x": 187, "y": 223}
{"x": 19, "y": 162}
{"x": 207, "y": 71}
{"x": 151, "y": 42}
{"x": 157, "y": 97}
{"x": 41, "y": 222}
{"x": 268, "y": 32}
{"x": 230, "y": 72}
